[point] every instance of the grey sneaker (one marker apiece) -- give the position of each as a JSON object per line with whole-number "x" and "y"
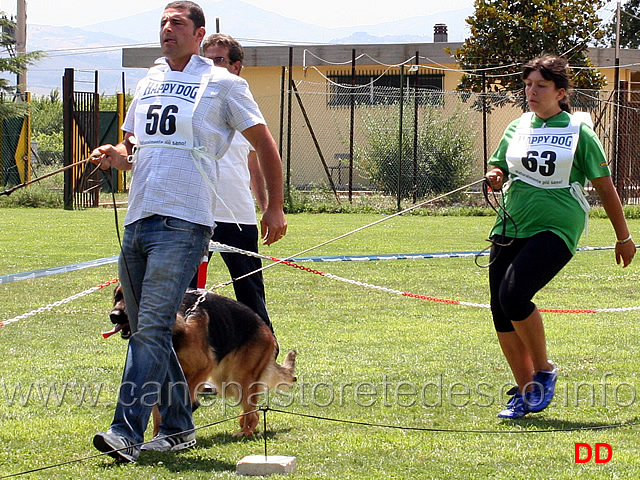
{"x": 117, "y": 446}
{"x": 170, "y": 443}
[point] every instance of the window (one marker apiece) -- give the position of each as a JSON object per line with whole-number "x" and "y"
{"x": 384, "y": 89}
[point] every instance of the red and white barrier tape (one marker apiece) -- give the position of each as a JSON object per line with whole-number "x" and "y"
{"x": 415, "y": 295}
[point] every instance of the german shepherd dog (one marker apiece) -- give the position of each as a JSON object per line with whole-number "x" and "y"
{"x": 223, "y": 342}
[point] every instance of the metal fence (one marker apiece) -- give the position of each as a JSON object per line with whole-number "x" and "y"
{"x": 409, "y": 143}
{"x": 15, "y": 166}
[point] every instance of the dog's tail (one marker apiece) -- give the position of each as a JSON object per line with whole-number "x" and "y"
{"x": 289, "y": 366}
{"x": 281, "y": 377}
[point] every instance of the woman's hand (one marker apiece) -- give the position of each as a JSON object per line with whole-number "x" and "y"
{"x": 625, "y": 252}
{"x": 496, "y": 178}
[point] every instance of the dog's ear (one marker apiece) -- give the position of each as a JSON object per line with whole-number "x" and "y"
{"x": 118, "y": 313}
{"x": 117, "y": 294}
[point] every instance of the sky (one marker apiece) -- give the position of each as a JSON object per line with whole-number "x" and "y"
{"x": 326, "y": 13}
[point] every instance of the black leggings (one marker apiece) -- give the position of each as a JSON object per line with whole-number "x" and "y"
{"x": 518, "y": 271}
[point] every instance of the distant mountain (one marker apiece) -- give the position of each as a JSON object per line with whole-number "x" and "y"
{"x": 84, "y": 51}
{"x": 94, "y": 47}
{"x": 237, "y": 18}
{"x": 248, "y": 22}
{"x": 359, "y": 38}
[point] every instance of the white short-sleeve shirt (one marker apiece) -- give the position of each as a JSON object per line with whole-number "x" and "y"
{"x": 166, "y": 181}
{"x": 235, "y": 200}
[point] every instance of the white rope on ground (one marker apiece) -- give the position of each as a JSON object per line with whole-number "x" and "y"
{"x": 359, "y": 229}
{"x": 331, "y": 276}
{"x": 45, "y": 272}
{"x": 59, "y": 303}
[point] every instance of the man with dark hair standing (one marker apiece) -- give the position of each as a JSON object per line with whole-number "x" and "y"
{"x": 240, "y": 176}
{"x": 182, "y": 118}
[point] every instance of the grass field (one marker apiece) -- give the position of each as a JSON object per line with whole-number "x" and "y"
{"x": 363, "y": 355}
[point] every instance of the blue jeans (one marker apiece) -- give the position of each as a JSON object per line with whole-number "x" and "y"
{"x": 158, "y": 259}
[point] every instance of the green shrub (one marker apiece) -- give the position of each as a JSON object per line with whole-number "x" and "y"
{"x": 48, "y": 193}
{"x": 444, "y": 151}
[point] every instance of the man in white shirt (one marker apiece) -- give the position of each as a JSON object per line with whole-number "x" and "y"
{"x": 239, "y": 175}
{"x": 183, "y": 116}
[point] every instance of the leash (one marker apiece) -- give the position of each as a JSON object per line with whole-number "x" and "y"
{"x": 9, "y": 191}
{"x": 203, "y": 297}
{"x": 502, "y": 213}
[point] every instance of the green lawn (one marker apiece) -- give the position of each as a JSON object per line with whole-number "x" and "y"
{"x": 364, "y": 356}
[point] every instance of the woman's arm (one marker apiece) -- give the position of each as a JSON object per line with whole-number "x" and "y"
{"x": 611, "y": 203}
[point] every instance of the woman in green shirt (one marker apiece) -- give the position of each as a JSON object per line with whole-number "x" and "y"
{"x": 543, "y": 160}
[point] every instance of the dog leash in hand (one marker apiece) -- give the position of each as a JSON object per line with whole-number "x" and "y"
{"x": 9, "y": 191}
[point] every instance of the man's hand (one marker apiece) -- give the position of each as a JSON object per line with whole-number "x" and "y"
{"x": 104, "y": 156}
{"x": 113, "y": 156}
{"x": 273, "y": 225}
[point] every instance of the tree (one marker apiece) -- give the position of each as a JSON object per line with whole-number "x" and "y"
{"x": 46, "y": 113}
{"x": 505, "y": 34}
{"x": 12, "y": 64}
{"x": 629, "y": 27}
{"x": 47, "y": 128}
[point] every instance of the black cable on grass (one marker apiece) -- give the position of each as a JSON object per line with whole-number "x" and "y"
{"x": 453, "y": 430}
{"x": 102, "y": 454}
{"x": 350, "y": 422}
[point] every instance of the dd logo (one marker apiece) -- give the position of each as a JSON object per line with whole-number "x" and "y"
{"x": 584, "y": 452}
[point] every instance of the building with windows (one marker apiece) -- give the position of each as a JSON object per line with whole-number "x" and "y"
{"x": 314, "y": 122}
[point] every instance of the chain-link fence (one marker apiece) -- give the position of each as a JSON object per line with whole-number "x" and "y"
{"x": 365, "y": 141}
{"x": 411, "y": 144}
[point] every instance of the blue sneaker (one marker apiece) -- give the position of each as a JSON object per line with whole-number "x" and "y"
{"x": 517, "y": 406}
{"x": 544, "y": 386}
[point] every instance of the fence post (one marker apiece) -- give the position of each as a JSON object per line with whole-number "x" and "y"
{"x": 67, "y": 121}
{"x": 121, "y": 109}
{"x": 484, "y": 120}
{"x": 281, "y": 132}
{"x": 415, "y": 129}
{"x": 27, "y": 167}
{"x": 289, "y": 99}
{"x": 400, "y": 127}
{"x": 352, "y": 120}
{"x": 623, "y": 164}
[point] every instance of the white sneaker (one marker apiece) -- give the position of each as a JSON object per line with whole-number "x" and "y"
{"x": 170, "y": 443}
{"x": 117, "y": 446}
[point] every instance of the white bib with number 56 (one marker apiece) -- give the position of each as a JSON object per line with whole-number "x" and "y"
{"x": 164, "y": 113}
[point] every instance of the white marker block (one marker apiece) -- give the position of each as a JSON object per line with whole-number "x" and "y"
{"x": 259, "y": 465}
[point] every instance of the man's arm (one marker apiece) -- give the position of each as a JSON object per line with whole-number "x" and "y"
{"x": 273, "y": 224}
{"x": 257, "y": 181}
{"x": 114, "y": 156}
